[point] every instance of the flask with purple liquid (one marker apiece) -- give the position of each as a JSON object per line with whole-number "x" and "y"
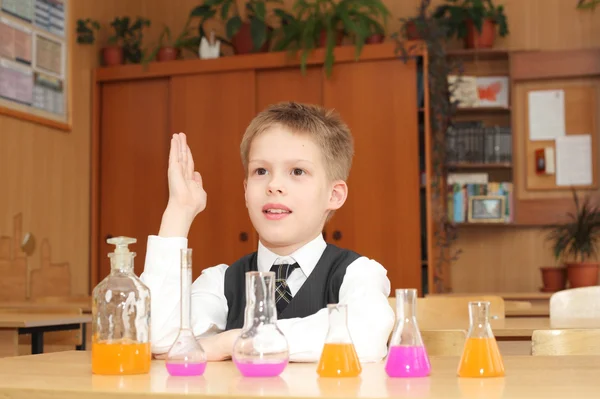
{"x": 261, "y": 350}
{"x": 186, "y": 356}
{"x": 407, "y": 355}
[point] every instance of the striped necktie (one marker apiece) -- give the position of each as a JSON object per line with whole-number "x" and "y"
{"x": 283, "y": 295}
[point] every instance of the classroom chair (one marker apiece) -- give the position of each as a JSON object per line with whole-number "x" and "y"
{"x": 565, "y": 342}
{"x": 575, "y": 303}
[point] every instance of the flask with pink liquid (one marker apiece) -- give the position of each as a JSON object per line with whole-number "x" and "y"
{"x": 407, "y": 355}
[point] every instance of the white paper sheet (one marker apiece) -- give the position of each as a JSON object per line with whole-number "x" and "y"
{"x": 546, "y": 114}
{"x": 574, "y": 160}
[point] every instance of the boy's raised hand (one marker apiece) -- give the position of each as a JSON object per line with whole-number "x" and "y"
{"x": 187, "y": 197}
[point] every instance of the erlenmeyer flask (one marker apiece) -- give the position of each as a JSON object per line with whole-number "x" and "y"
{"x": 339, "y": 358}
{"x": 407, "y": 355}
{"x": 186, "y": 356}
{"x": 261, "y": 350}
{"x": 481, "y": 356}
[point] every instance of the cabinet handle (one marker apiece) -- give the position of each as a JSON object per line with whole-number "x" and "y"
{"x": 337, "y": 235}
{"x": 243, "y": 236}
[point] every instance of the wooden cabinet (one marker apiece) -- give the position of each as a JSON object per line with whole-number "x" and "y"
{"x": 212, "y": 102}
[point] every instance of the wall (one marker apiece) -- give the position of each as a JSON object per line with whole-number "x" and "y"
{"x": 44, "y": 173}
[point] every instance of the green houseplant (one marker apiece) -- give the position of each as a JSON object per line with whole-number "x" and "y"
{"x": 85, "y": 30}
{"x": 587, "y": 4}
{"x": 324, "y": 23}
{"x": 248, "y": 31}
{"x": 474, "y": 21}
{"x": 575, "y": 242}
{"x": 169, "y": 49}
{"x": 433, "y": 34}
{"x": 125, "y": 44}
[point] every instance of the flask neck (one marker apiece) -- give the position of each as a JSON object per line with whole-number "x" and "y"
{"x": 479, "y": 320}
{"x": 406, "y": 305}
{"x": 186, "y": 286}
{"x": 260, "y": 299}
{"x": 121, "y": 263}
{"x": 338, "y": 324}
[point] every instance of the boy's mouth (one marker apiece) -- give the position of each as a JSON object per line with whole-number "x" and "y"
{"x": 276, "y": 211}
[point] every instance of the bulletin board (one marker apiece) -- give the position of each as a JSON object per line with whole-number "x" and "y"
{"x": 575, "y": 151}
{"x": 34, "y": 67}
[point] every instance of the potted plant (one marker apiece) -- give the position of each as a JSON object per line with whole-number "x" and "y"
{"x": 251, "y": 34}
{"x": 85, "y": 30}
{"x": 575, "y": 242}
{"x": 168, "y": 49}
{"x": 554, "y": 278}
{"x": 587, "y": 4}
{"x": 324, "y": 23}
{"x": 125, "y": 43}
{"x": 474, "y": 21}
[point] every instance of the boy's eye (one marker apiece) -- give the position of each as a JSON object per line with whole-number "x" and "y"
{"x": 298, "y": 172}
{"x": 260, "y": 171}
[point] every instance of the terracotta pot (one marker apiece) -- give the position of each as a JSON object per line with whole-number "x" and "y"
{"x": 375, "y": 38}
{"x": 323, "y": 38}
{"x": 112, "y": 55}
{"x": 582, "y": 274}
{"x": 412, "y": 33}
{"x": 554, "y": 278}
{"x": 242, "y": 41}
{"x": 168, "y": 54}
{"x": 483, "y": 39}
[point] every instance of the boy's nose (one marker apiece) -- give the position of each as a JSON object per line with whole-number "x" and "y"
{"x": 275, "y": 187}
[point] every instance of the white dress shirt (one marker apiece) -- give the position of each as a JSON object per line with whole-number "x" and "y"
{"x": 365, "y": 290}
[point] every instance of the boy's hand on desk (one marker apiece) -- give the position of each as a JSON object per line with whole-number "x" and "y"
{"x": 220, "y": 346}
{"x": 187, "y": 197}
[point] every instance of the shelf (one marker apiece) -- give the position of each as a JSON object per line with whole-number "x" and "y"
{"x": 483, "y": 53}
{"x": 482, "y": 109}
{"x": 469, "y": 165}
{"x": 487, "y": 224}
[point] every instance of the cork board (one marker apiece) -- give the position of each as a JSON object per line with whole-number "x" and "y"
{"x": 581, "y": 110}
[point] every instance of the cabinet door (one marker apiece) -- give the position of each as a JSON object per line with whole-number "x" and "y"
{"x": 214, "y": 111}
{"x": 381, "y": 218}
{"x": 133, "y": 164}
{"x": 277, "y": 85}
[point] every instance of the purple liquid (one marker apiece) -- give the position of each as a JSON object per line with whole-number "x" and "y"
{"x": 249, "y": 369}
{"x": 186, "y": 369}
{"x": 407, "y": 361}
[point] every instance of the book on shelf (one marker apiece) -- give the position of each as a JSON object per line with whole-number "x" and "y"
{"x": 460, "y": 193}
{"x": 474, "y": 143}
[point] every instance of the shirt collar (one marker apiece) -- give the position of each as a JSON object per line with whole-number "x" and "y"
{"x": 307, "y": 256}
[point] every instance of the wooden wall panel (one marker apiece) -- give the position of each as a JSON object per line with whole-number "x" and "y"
{"x": 45, "y": 173}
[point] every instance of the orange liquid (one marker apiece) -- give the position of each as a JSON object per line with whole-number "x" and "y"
{"x": 339, "y": 360}
{"x": 120, "y": 358}
{"x": 481, "y": 358}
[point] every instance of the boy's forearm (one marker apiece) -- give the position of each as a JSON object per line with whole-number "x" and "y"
{"x": 175, "y": 223}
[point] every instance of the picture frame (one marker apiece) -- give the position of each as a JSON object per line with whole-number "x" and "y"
{"x": 486, "y": 209}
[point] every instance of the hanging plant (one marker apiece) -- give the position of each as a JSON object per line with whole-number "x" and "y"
{"x": 433, "y": 34}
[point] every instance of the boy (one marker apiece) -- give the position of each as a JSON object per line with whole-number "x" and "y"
{"x": 296, "y": 158}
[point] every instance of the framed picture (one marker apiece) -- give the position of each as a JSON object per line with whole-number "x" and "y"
{"x": 486, "y": 209}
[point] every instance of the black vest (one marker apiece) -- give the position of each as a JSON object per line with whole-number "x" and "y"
{"x": 320, "y": 289}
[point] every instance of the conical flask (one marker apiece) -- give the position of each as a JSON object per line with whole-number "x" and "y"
{"x": 339, "y": 358}
{"x": 407, "y": 356}
{"x": 261, "y": 350}
{"x": 481, "y": 356}
{"x": 186, "y": 356}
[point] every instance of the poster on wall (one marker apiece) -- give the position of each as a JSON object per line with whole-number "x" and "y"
{"x": 34, "y": 73}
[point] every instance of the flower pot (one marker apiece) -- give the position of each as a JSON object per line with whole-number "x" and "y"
{"x": 167, "y": 54}
{"x": 554, "y": 278}
{"x": 375, "y": 38}
{"x": 323, "y": 38}
{"x": 112, "y": 55}
{"x": 483, "y": 39}
{"x": 582, "y": 274}
{"x": 242, "y": 41}
{"x": 412, "y": 33}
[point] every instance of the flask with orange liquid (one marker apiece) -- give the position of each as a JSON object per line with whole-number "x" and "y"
{"x": 339, "y": 358}
{"x": 481, "y": 356}
{"x": 121, "y": 317}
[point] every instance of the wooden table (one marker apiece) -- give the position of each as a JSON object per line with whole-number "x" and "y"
{"x": 67, "y": 375}
{"x": 36, "y": 324}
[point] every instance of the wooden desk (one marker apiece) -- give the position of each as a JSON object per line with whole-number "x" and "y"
{"x": 67, "y": 375}
{"x": 13, "y": 324}
{"x": 540, "y": 302}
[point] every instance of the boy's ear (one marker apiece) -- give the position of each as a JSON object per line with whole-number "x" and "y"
{"x": 339, "y": 193}
{"x": 245, "y": 187}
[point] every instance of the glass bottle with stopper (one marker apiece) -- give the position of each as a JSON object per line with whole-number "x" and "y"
{"x": 338, "y": 358}
{"x": 186, "y": 356}
{"x": 261, "y": 350}
{"x": 481, "y": 356}
{"x": 121, "y": 317}
{"x": 407, "y": 356}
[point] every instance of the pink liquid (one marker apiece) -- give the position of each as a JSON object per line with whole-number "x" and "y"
{"x": 407, "y": 361}
{"x": 249, "y": 369}
{"x": 186, "y": 369}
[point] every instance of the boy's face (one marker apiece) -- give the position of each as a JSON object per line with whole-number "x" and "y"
{"x": 288, "y": 193}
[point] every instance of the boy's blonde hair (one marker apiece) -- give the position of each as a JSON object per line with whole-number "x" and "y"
{"x": 330, "y": 133}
